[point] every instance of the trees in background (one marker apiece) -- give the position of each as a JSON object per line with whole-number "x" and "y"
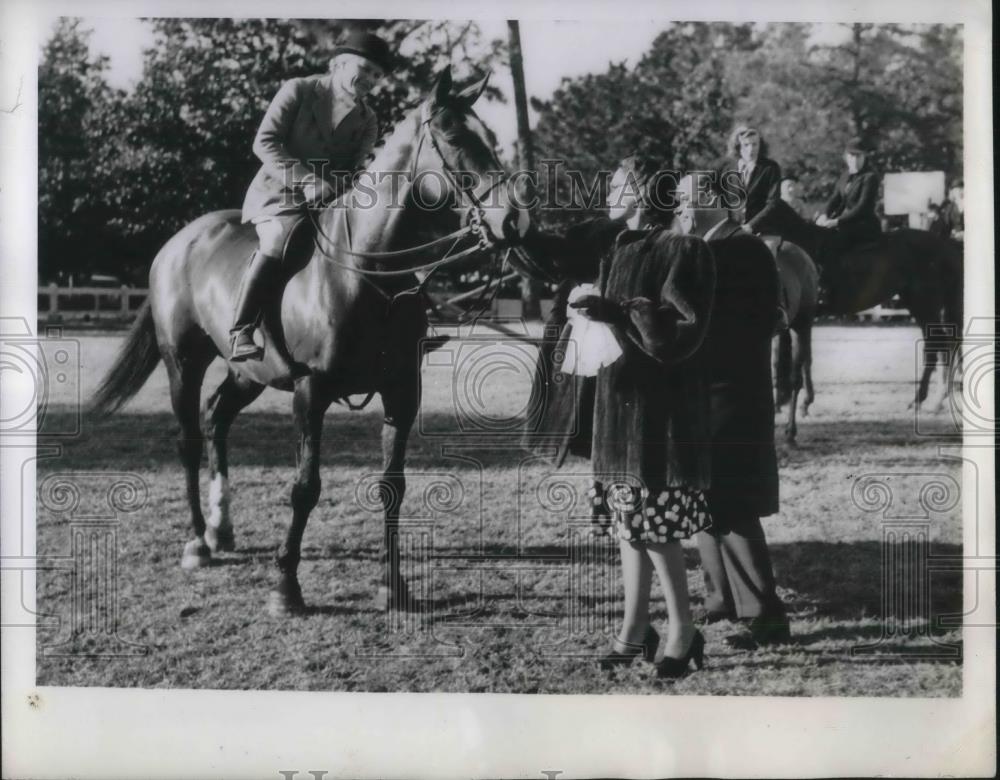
{"x": 807, "y": 89}
{"x": 119, "y": 172}
{"x": 72, "y": 93}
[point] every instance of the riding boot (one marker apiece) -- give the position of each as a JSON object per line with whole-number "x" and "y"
{"x": 257, "y": 278}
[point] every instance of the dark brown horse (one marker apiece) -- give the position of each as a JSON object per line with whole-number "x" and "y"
{"x": 350, "y": 321}
{"x": 923, "y": 269}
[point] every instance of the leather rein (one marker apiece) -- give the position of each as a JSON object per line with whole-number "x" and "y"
{"x": 475, "y": 223}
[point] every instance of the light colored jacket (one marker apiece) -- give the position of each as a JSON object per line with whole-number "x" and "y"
{"x": 296, "y": 143}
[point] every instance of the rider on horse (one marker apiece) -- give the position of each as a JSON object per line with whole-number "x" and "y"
{"x": 317, "y": 132}
{"x": 753, "y": 174}
{"x": 850, "y": 212}
{"x": 756, "y": 178}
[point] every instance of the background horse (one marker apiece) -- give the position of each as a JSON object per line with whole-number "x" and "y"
{"x": 347, "y": 323}
{"x": 923, "y": 269}
{"x": 792, "y": 347}
{"x": 700, "y": 213}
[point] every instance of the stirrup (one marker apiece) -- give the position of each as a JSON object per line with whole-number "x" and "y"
{"x": 242, "y": 345}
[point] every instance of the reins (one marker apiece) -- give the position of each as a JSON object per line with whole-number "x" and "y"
{"x": 476, "y": 225}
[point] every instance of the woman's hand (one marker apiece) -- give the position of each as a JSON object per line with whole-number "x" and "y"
{"x": 598, "y": 309}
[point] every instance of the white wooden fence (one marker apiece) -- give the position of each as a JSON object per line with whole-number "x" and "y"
{"x": 120, "y": 304}
{"x": 57, "y": 303}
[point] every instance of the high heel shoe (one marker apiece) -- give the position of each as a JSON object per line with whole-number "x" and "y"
{"x": 617, "y": 658}
{"x": 672, "y": 668}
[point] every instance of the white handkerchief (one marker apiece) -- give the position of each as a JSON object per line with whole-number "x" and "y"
{"x": 592, "y": 344}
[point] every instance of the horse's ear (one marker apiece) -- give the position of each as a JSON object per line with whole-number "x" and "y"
{"x": 441, "y": 93}
{"x": 471, "y": 94}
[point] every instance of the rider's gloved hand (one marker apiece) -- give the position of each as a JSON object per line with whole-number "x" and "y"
{"x": 317, "y": 191}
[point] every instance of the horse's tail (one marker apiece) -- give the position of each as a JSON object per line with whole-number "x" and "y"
{"x": 133, "y": 366}
{"x": 783, "y": 368}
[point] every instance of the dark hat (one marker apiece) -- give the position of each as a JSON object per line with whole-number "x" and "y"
{"x": 858, "y": 145}
{"x": 367, "y": 45}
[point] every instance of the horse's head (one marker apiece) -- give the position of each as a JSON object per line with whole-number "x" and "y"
{"x": 455, "y": 163}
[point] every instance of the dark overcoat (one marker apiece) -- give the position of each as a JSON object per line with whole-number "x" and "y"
{"x": 744, "y": 471}
{"x": 738, "y": 349}
{"x": 297, "y": 142}
{"x": 651, "y": 406}
{"x": 646, "y": 415}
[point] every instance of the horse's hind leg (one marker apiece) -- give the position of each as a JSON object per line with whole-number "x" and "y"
{"x": 807, "y": 369}
{"x": 930, "y": 362}
{"x": 780, "y": 359}
{"x": 310, "y": 404}
{"x": 186, "y": 373}
{"x": 234, "y": 394}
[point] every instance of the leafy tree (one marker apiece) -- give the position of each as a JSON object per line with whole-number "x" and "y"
{"x": 72, "y": 215}
{"x": 674, "y": 107}
{"x": 901, "y": 87}
{"x": 898, "y": 87}
{"x": 187, "y": 129}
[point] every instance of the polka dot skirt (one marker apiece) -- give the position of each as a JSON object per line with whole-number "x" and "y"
{"x": 640, "y": 515}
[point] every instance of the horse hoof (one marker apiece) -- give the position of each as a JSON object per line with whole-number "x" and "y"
{"x": 281, "y": 605}
{"x": 196, "y": 555}
{"x": 220, "y": 539}
{"x": 286, "y": 599}
{"x": 390, "y": 599}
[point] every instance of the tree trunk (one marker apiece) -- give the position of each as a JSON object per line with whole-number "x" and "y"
{"x": 530, "y": 290}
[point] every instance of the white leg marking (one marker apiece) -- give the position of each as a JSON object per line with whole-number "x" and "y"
{"x": 218, "y": 503}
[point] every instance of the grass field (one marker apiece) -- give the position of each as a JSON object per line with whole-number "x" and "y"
{"x": 513, "y": 600}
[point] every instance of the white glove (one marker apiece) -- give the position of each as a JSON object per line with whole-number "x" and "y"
{"x": 592, "y": 345}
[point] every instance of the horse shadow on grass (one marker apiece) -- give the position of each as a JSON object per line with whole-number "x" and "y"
{"x": 268, "y": 439}
{"x": 869, "y": 579}
{"x": 849, "y": 437}
{"x": 840, "y": 581}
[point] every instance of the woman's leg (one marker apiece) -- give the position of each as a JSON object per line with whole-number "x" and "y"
{"x": 637, "y": 576}
{"x": 668, "y": 560}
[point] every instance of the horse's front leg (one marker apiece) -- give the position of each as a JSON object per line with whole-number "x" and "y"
{"x": 310, "y": 404}
{"x": 400, "y": 405}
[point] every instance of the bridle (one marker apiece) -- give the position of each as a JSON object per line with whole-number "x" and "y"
{"x": 474, "y": 221}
